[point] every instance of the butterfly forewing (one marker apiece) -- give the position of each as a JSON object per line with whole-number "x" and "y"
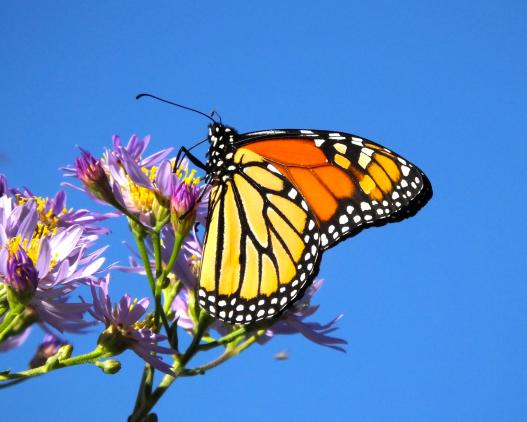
{"x": 348, "y": 182}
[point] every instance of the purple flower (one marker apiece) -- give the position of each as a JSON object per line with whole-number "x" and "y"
{"x": 53, "y": 212}
{"x": 49, "y": 347}
{"x": 21, "y": 275}
{"x": 36, "y": 252}
{"x": 292, "y": 322}
{"x": 183, "y": 204}
{"x": 135, "y": 185}
{"x": 91, "y": 173}
{"x": 124, "y": 329}
{"x": 181, "y": 311}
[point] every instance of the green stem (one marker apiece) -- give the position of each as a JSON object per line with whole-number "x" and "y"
{"x": 90, "y": 357}
{"x": 169, "y": 295}
{"x": 178, "y": 243}
{"x": 226, "y": 355}
{"x": 9, "y": 322}
{"x": 179, "y": 365}
{"x": 140, "y": 241}
{"x": 156, "y": 241}
{"x": 224, "y": 340}
{"x": 130, "y": 216}
{"x": 145, "y": 387}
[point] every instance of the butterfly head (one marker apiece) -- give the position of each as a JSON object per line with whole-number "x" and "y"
{"x": 221, "y": 149}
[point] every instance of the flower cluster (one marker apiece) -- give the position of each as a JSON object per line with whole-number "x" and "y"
{"x": 48, "y": 254}
{"x": 44, "y": 256}
{"x": 146, "y": 189}
{"x": 124, "y": 328}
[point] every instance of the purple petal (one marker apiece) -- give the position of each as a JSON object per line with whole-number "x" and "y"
{"x": 29, "y": 223}
{"x": 134, "y": 172}
{"x": 59, "y": 202}
{"x": 163, "y": 178}
{"x": 44, "y": 258}
{"x": 156, "y": 157}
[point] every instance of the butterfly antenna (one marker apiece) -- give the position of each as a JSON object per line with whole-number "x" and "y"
{"x": 215, "y": 113}
{"x": 175, "y": 104}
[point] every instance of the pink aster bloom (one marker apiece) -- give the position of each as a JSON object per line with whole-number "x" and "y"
{"x": 122, "y": 321}
{"x": 46, "y": 263}
{"x": 123, "y": 178}
{"x": 183, "y": 204}
{"x": 55, "y": 211}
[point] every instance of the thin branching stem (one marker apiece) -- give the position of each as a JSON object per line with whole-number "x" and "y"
{"x": 51, "y": 365}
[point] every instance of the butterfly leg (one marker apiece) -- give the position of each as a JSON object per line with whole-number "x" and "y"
{"x": 183, "y": 151}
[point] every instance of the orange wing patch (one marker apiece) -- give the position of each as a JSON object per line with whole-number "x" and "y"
{"x": 296, "y": 152}
{"x": 317, "y": 194}
{"x": 341, "y": 185}
{"x": 346, "y": 181}
{"x": 306, "y": 165}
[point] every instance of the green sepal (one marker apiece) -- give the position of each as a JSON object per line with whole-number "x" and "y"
{"x": 17, "y": 303}
{"x": 113, "y": 341}
{"x": 137, "y": 229}
{"x": 110, "y": 366}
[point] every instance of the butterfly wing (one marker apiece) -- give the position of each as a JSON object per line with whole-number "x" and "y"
{"x": 262, "y": 243}
{"x": 289, "y": 195}
{"x": 348, "y": 182}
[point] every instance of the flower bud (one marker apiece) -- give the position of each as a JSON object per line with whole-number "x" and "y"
{"x": 22, "y": 276}
{"x": 50, "y": 346}
{"x": 183, "y": 206}
{"x": 91, "y": 173}
{"x": 113, "y": 340}
{"x": 109, "y": 366}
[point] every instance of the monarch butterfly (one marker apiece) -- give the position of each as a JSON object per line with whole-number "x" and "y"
{"x": 279, "y": 199}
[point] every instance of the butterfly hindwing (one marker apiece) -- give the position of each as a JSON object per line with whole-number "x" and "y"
{"x": 262, "y": 243}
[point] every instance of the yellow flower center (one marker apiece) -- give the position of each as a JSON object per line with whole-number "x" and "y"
{"x": 30, "y": 246}
{"x": 141, "y": 197}
{"x": 47, "y": 220}
{"x": 47, "y": 224}
{"x": 188, "y": 177}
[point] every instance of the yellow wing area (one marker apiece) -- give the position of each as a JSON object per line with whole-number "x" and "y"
{"x": 261, "y": 245}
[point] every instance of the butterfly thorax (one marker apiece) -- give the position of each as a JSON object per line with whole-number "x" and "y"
{"x": 220, "y": 157}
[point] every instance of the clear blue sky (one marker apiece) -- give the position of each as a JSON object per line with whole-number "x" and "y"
{"x": 435, "y": 307}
